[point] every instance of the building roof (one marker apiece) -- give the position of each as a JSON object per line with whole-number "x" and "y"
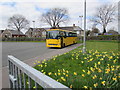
{"x": 15, "y": 32}
{"x": 71, "y": 28}
{"x": 1, "y": 31}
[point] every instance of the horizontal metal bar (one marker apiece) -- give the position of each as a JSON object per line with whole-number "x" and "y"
{"x": 12, "y": 78}
{"x": 37, "y": 76}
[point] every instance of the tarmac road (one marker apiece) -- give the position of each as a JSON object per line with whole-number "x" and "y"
{"x": 23, "y": 50}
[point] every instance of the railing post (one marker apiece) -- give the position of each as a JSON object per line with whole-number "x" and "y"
{"x": 19, "y": 71}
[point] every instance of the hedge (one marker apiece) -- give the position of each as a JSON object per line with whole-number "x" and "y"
{"x": 23, "y": 39}
{"x": 102, "y": 37}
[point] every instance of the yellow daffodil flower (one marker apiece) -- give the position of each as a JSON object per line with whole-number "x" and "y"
{"x": 95, "y": 85}
{"x": 59, "y": 74}
{"x": 83, "y": 75}
{"x": 85, "y": 87}
{"x": 75, "y": 73}
{"x": 103, "y": 83}
{"x": 114, "y": 78}
{"x": 70, "y": 86}
{"x": 49, "y": 73}
{"x": 83, "y": 70}
{"x": 88, "y": 72}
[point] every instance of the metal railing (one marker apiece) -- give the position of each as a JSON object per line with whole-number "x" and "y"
{"x": 22, "y": 75}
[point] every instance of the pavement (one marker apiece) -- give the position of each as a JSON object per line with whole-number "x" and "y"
{"x": 30, "y": 61}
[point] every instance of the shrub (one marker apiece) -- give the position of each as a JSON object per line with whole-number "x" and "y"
{"x": 23, "y": 39}
{"x": 101, "y": 37}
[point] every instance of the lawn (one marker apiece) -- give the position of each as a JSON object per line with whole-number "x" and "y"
{"x": 97, "y": 68}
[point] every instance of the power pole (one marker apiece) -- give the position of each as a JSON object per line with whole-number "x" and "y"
{"x": 81, "y": 20}
{"x": 84, "y": 44}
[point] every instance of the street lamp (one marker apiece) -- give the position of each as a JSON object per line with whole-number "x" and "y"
{"x": 84, "y": 44}
{"x": 33, "y": 24}
{"x": 81, "y": 20}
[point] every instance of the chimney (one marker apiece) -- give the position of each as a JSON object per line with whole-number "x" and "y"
{"x": 73, "y": 25}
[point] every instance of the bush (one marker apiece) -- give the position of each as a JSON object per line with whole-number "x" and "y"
{"x": 23, "y": 39}
{"x": 102, "y": 37}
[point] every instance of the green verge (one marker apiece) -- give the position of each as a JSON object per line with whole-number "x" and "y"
{"x": 97, "y": 68}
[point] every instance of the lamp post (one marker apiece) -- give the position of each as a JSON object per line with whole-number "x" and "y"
{"x": 81, "y": 20}
{"x": 84, "y": 44}
{"x": 33, "y": 24}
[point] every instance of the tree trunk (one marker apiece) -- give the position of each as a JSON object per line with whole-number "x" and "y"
{"x": 104, "y": 30}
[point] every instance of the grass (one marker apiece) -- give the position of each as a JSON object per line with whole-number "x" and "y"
{"x": 98, "y": 68}
{"x": 101, "y": 46}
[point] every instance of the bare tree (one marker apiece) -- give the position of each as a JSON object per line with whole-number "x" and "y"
{"x": 104, "y": 15}
{"x": 54, "y": 17}
{"x": 18, "y": 22}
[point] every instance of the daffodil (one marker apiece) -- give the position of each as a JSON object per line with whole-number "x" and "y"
{"x": 63, "y": 73}
{"x": 66, "y": 75}
{"x": 42, "y": 70}
{"x": 114, "y": 78}
{"x": 107, "y": 70}
{"x": 110, "y": 57}
{"x": 59, "y": 74}
{"x": 114, "y": 61}
{"x": 83, "y": 75}
{"x": 82, "y": 61}
{"x": 75, "y": 73}
{"x": 85, "y": 58}
{"x": 100, "y": 78}
{"x": 88, "y": 72}
{"x": 49, "y": 73}
{"x": 94, "y": 77}
{"x": 55, "y": 74}
{"x": 103, "y": 83}
{"x": 85, "y": 87}
{"x": 27, "y": 82}
{"x": 63, "y": 78}
{"x": 38, "y": 61}
{"x": 99, "y": 70}
{"x": 34, "y": 87}
{"x": 98, "y": 63}
{"x": 83, "y": 70}
{"x": 101, "y": 59}
{"x": 95, "y": 85}
{"x": 54, "y": 58}
{"x": 58, "y": 70}
{"x": 67, "y": 71}
{"x": 70, "y": 86}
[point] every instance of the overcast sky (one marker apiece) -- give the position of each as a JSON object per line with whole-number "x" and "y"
{"x": 32, "y": 9}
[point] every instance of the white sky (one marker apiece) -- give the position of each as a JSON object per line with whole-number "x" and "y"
{"x": 32, "y": 9}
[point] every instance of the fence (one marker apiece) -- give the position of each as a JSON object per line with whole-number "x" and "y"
{"x": 22, "y": 75}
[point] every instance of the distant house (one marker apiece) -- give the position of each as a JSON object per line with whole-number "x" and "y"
{"x": 1, "y": 31}
{"x": 41, "y": 32}
{"x": 93, "y": 34}
{"x": 112, "y": 32}
{"x": 12, "y": 33}
{"x": 36, "y": 32}
{"x": 75, "y": 28}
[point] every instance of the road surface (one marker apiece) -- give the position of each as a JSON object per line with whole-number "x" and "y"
{"x": 23, "y": 50}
